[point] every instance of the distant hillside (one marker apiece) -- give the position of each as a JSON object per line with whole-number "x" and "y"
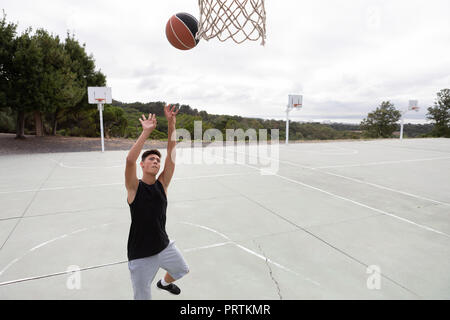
{"x": 121, "y": 120}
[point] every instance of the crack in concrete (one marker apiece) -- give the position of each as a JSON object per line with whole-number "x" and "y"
{"x": 270, "y": 270}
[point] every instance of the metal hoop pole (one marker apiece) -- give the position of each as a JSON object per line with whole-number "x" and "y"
{"x": 287, "y": 124}
{"x": 100, "y": 108}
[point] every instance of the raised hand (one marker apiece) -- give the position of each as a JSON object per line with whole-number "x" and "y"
{"x": 169, "y": 112}
{"x": 148, "y": 124}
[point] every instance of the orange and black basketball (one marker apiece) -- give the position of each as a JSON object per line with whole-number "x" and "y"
{"x": 181, "y": 30}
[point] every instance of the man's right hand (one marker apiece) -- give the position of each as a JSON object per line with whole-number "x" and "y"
{"x": 148, "y": 124}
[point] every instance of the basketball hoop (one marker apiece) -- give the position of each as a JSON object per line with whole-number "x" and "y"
{"x": 295, "y": 101}
{"x": 239, "y": 20}
{"x": 100, "y": 96}
{"x": 413, "y": 105}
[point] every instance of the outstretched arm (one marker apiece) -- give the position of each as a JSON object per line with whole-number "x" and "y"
{"x": 169, "y": 164}
{"x": 148, "y": 125}
{"x": 131, "y": 180}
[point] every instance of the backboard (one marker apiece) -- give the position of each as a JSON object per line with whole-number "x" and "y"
{"x": 413, "y": 105}
{"x": 295, "y": 101}
{"x": 95, "y": 93}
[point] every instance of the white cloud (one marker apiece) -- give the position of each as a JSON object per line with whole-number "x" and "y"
{"x": 345, "y": 57}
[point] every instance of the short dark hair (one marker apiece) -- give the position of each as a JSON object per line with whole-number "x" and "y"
{"x": 149, "y": 152}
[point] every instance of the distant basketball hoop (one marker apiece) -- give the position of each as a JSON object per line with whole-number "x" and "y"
{"x": 100, "y": 96}
{"x": 413, "y": 106}
{"x": 295, "y": 102}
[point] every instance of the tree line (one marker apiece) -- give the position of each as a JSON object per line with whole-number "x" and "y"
{"x": 43, "y": 91}
{"x": 43, "y": 76}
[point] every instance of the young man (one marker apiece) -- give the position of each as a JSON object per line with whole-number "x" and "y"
{"x": 149, "y": 247}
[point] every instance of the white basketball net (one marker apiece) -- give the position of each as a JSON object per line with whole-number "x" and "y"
{"x": 239, "y": 20}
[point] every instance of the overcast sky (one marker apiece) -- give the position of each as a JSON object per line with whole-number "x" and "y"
{"x": 344, "y": 57}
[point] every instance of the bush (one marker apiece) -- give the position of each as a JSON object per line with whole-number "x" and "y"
{"x": 62, "y": 132}
{"x": 299, "y": 136}
{"x": 74, "y": 132}
{"x": 131, "y": 132}
{"x": 7, "y": 120}
{"x": 158, "y": 135}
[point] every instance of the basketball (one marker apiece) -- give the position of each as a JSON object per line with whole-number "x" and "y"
{"x": 181, "y": 30}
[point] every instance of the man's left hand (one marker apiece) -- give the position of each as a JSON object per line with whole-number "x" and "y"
{"x": 170, "y": 113}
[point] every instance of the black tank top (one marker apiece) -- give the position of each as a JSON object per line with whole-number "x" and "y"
{"x": 148, "y": 221}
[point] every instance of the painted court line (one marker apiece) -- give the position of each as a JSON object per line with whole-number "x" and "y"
{"x": 366, "y": 206}
{"x": 62, "y": 165}
{"x": 125, "y": 261}
{"x": 229, "y": 241}
{"x": 59, "y": 273}
{"x": 349, "y": 200}
{"x": 8, "y": 266}
{"x": 122, "y": 183}
{"x": 208, "y": 247}
{"x": 48, "y": 242}
{"x": 380, "y": 163}
{"x": 406, "y": 146}
{"x": 82, "y": 269}
{"x": 329, "y": 151}
{"x": 386, "y": 188}
{"x": 356, "y": 180}
{"x": 251, "y": 251}
{"x": 275, "y": 263}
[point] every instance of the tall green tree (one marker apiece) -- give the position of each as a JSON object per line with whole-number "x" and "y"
{"x": 57, "y": 83}
{"x": 7, "y": 47}
{"x": 114, "y": 121}
{"x": 381, "y": 123}
{"x": 84, "y": 66}
{"x": 25, "y": 73}
{"x": 42, "y": 76}
{"x": 18, "y": 61}
{"x": 440, "y": 114}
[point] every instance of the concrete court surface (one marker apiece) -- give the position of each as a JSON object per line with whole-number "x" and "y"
{"x": 334, "y": 220}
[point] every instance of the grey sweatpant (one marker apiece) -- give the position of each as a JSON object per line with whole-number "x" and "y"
{"x": 143, "y": 270}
